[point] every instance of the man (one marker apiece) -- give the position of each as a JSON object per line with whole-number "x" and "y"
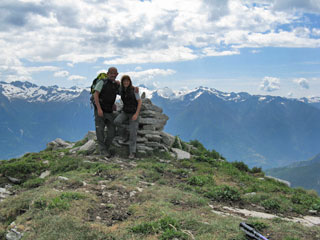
{"x": 105, "y": 93}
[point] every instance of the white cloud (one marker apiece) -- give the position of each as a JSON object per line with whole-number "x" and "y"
{"x": 150, "y": 78}
{"x": 148, "y": 31}
{"x": 214, "y": 52}
{"x": 42, "y": 69}
{"x": 255, "y": 51}
{"x": 312, "y": 6}
{"x": 316, "y": 31}
{"x": 61, "y": 74}
{"x": 102, "y": 71}
{"x": 155, "y": 56}
{"x": 303, "y": 83}
{"x": 76, "y": 77}
{"x": 270, "y": 84}
{"x": 149, "y": 74}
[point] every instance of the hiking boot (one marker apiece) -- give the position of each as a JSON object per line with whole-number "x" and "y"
{"x": 131, "y": 156}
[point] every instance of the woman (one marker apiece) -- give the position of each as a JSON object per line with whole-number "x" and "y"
{"x": 131, "y": 109}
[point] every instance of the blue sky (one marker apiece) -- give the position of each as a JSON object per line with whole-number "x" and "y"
{"x": 257, "y": 46}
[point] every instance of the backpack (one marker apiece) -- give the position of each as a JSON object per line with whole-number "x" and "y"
{"x": 101, "y": 76}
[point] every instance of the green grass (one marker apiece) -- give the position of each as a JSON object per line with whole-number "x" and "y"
{"x": 175, "y": 205}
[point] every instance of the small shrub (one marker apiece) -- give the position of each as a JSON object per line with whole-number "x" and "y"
{"x": 255, "y": 170}
{"x": 259, "y": 226}
{"x": 200, "y": 180}
{"x": 146, "y": 228}
{"x": 197, "y": 145}
{"x": 62, "y": 201}
{"x": 21, "y": 168}
{"x": 65, "y": 164}
{"x": 158, "y": 167}
{"x": 33, "y": 183}
{"x": 224, "y": 193}
{"x": 241, "y": 166}
{"x": 40, "y": 203}
{"x": 167, "y": 226}
{"x": 204, "y": 158}
{"x": 316, "y": 206}
{"x": 168, "y": 222}
{"x": 177, "y": 143}
{"x": 271, "y": 204}
{"x": 173, "y": 234}
{"x": 72, "y": 196}
{"x": 59, "y": 203}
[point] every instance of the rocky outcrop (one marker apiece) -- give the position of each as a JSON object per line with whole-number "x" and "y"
{"x": 59, "y": 144}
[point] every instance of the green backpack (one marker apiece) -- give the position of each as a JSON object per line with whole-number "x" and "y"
{"x": 101, "y": 76}
{"x": 96, "y": 80}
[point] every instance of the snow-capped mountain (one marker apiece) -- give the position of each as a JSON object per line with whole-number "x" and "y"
{"x": 31, "y": 116}
{"x": 260, "y": 130}
{"x": 193, "y": 94}
{"x": 314, "y": 101}
{"x": 33, "y": 93}
{"x": 265, "y": 131}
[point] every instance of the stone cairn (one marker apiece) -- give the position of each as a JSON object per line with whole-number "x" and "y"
{"x": 150, "y": 136}
{"x": 150, "y": 133}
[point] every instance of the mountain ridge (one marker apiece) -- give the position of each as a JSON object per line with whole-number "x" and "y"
{"x": 260, "y": 130}
{"x": 32, "y": 92}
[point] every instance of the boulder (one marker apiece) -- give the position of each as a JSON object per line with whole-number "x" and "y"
{"x": 13, "y": 235}
{"x": 45, "y": 174}
{"x": 59, "y": 144}
{"x": 279, "y": 180}
{"x": 167, "y": 139}
{"x": 89, "y": 146}
{"x": 180, "y": 154}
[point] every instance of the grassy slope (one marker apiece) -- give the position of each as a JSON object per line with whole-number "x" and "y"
{"x": 151, "y": 198}
{"x": 306, "y": 175}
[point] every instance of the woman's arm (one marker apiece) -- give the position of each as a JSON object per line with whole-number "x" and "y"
{"x": 136, "y": 115}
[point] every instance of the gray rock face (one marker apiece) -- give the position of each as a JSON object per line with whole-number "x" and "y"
{"x": 180, "y": 154}
{"x": 14, "y": 180}
{"x": 59, "y": 144}
{"x": 13, "y": 235}
{"x": 4, "y": 193}
{"x": 151, "y": 124}
{"x": 89, "y": 146}
{"x": 45, "y": 174}
{"x": 280, "y": 180}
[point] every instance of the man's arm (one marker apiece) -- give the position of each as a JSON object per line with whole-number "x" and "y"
{"x": 97, "y": 103}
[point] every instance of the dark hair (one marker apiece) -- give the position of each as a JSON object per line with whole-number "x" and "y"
{"x": 126, "y": 77}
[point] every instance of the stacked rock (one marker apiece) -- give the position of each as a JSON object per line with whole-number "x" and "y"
{"x": 151, "y": 124}
{"x": 150, "y": 133}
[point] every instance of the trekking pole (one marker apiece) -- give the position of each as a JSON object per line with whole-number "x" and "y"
{"x": 251, "y": 232}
